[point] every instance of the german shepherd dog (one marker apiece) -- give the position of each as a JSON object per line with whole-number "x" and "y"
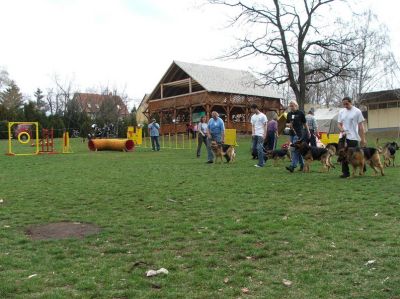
{"x": 354, "y": 156}
{"x": 220, "y": 151}
{"x": 276, "y": 155}
{"x": 311, "y": 153}
{"x": 333, "y": 147}
{"x": 358, "y": 157}
{"x": 389, "y": 153}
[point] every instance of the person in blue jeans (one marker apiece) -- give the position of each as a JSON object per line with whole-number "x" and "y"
{"x": 259, "y": 133}
{"x": 215, "y": 132}
{"x": 296, "y": 121}
{"x": 154, "y": 132}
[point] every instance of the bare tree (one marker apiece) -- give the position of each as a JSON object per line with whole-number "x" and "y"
{"x": 64, "y": 92}
{"x": 4, "y": 78}
{"x": 293, "y": 34}
{"x": 374, "y": 68}
{"x": 376, "y": 63}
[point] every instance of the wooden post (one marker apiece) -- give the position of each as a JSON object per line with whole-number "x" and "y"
{"x": 162, "y": 90}
{"x": 228, "y": 115}
{"x": 175, "y": 121}
{"x": 208, "y": 111}
{"x": 190, "y": 85}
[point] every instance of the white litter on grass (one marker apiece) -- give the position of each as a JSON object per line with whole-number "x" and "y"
{"x": 286, "y": 282}
{"x": 150, "y": 273}
{"x": 1, "y": 200}
{"x": 30, "y": 276}
{"x": 376, "y": 215}
{"x": 386, "y": 279}
{"x": 370, "y": 262}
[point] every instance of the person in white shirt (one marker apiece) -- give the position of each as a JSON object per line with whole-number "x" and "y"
{"x": 259, "y": 133}
{"x": 202, "y": 136}
{"x": 350, "y": 123}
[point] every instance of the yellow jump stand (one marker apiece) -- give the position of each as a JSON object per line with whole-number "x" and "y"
{"x": 66, "y": 149}
{"x": 230, "y": 137}
{"x": 23, "y": 137}
{"x": 135, "y": 134}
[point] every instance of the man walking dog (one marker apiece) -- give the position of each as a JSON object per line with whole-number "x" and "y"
{"x": 215, "y": 132}
{"x": 350, "y": 123}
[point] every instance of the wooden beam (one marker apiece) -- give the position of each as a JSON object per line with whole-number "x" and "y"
{"x": 178, "y": 82}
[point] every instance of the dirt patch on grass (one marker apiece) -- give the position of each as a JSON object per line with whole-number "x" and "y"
{"x": 62, "y": 230}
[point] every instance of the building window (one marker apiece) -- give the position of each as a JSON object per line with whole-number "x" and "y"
{"x": 382, "y": 106}
{"x": 393, "y": 104}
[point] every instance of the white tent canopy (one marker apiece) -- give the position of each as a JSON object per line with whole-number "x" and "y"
{"x": 327, "y": 120}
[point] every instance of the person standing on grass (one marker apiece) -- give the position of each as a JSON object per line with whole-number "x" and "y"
{"x": 154, "y": 132}
{"x": 202, "y": 134}
{"x": 313, "y": 127}
{"x": 215, "y": 132}
{"x": 259, "y": 132}
{"x": 272, "y": 133}
{"x": 195, "y": 129}
{"x": 296, "y": 121}
{"x": 351, "y": 127}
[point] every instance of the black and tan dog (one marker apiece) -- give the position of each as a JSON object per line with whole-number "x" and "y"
{"x": 389, "y": 153}
{"x": 353, "y": 156}
{"x": 358, "y": 157}
{"x": 276, "y": 155}
{"x": 333, "y": 147}
{"x": 311, "y": 153}
{"x": 220, "y": 151}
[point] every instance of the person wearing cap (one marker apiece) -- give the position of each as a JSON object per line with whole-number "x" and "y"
{"x": 313, "y": 127}
{"x": 154, "y": 132}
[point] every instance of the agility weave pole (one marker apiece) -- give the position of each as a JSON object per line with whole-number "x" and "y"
{"x": 182, "y": 142}
{"x": 177, "y": 141}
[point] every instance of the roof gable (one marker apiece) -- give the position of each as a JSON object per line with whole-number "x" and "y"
{"x": 214, "y": 79}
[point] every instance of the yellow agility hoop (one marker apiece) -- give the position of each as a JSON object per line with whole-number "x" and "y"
{"x": 28, "y": 137}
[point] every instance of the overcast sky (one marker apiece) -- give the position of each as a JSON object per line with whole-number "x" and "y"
{"x": 123, "y": 44}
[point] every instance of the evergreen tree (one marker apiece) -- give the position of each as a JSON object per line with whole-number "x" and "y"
{"x": 40, "y": 103}
{"x": 11, "y": 100}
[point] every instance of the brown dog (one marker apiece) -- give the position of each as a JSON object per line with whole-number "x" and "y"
{"x": 389, "y": 153}
{"x": 219, "y": 153}
{"x": 358, "y": 157}
{"x": 354, "y": 156}
{"x": 311, "y": 153}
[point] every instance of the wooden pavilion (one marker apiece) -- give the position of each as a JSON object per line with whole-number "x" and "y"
{"x": 187, "y": 91}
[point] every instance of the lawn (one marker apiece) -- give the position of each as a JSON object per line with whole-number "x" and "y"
{"x": 222, "y": 231}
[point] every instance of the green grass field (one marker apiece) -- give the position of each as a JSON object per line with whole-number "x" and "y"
{"x": 216, "y": 228}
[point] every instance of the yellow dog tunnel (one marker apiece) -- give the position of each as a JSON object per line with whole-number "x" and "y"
{"x": 125, "y": 145}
